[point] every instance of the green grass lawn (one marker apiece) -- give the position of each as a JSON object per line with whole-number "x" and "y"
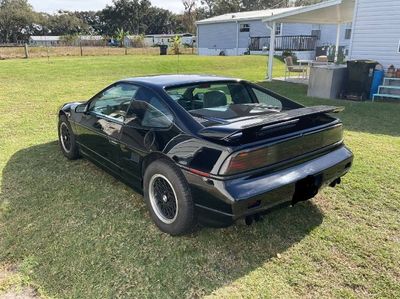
{"x": 70, "y": 230}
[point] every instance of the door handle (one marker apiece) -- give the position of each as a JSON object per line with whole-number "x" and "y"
{"x": 124, "y": 148}
{"x": 112, "y": 142}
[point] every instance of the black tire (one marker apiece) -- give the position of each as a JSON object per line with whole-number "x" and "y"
{"x": 174, "y": 192}
{"x": 67, "y": 144}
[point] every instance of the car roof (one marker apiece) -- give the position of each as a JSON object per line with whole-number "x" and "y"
{"x": 177, "y": 80}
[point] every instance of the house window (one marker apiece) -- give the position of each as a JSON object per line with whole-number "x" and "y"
{"x": 316, "y": 33}
{"x": 347, "y": 33}
{"x": 244, "y": 27}
{"x": 278, "y": 29}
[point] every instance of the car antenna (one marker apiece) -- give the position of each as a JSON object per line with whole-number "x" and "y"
{"x": 177, "y": 70}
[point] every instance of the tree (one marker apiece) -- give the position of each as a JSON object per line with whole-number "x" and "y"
{"x": 218, "y": 7}
{"x": 306, "y": 2}
{"x": 16, "y": 20}
{"x": 138, "y": 41}
{"x": 138, "y": 17}
{"x": 126, "y": 14}
{"x": 91, "y": 19}
{"x": 66, "y": 23}
{"x": 248, "y": 5}
{"x": 121, "y": 35}
{"x": 176, "y": 45}
{"x": 70, "y": 39}
{"x": 177, "y": 24}
{"x": 208, "y": 7}
{"x": 159, "y": 20}
{"x": 189, "y": 16}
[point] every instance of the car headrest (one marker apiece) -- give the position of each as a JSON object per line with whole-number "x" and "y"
{"x": 239, "y": 94}
{"x": 214, "y": 98}
{"x": 143, "y": 94}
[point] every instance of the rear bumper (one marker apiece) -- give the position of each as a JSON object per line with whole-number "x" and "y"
{"x": 224, "y": 201}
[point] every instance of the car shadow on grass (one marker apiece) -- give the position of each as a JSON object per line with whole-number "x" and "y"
{"x": 88, "y": 235}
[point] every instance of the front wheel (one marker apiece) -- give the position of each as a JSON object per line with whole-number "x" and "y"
{"x": 168, "y": 198}
{"x": 66, "y": 139}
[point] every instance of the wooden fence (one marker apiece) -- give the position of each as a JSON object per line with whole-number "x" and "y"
{"x": 22, "y": 51}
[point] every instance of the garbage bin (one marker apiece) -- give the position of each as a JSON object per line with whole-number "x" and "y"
{"x": 360, "y": 74}
{"x": 376, "y": 82}
{"x": 163, "y": 49}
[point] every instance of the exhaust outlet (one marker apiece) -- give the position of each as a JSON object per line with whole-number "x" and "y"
{"x": 248, "y": 220}
{"x": 335, "y": 182}
{"x": 257, "y": 218}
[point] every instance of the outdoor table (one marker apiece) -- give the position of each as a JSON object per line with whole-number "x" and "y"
{"x": 305, "y": 61}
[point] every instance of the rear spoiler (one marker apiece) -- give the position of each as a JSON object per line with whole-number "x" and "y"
{"x": 268, "y": 121}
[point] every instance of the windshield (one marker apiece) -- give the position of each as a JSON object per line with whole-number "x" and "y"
{"x": 224, "y": 100}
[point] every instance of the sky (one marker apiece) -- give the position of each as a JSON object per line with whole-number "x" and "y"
{"x": 51, "y": 6}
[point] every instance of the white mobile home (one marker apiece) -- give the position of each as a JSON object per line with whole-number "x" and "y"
{"x": 41, "y": 41}
{"x": 238, "y": 33}
{"x": 167, "y": 39}
{"x": 376, "y": 31}
{"x": 91, "y": 40}
{"x": 52, "y": 41}
{"x": 154, "y": 40}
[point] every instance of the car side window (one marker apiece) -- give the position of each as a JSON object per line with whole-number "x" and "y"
{"x": 114, "y": 101}
{"x": 267, "y": 99}
{"x": 148, "y": 110}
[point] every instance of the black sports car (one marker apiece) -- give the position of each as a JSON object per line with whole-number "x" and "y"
{"x": 208, "y": 148}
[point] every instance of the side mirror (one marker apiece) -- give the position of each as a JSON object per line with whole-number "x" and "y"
{"x": 82, "y": 108}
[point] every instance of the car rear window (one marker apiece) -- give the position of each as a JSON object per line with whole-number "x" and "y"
{"x": 211, "y": 96}
{"x": 221, "y": 102}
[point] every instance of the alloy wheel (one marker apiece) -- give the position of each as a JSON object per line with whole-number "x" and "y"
{"x": 65, "y": 137}
{"x": 163, "y": 199}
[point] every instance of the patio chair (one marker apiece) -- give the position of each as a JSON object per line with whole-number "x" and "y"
{"x": 292, "y": 68}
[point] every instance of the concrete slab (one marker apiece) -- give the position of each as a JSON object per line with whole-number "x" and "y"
{"x": 296, "y": 80}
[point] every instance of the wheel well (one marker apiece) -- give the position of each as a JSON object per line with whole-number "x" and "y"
{"x": 151, "y": 158}
{"x": 61, "y": 112}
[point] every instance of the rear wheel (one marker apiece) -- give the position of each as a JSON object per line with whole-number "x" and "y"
{"x": 168, "y": 198}
{"x": 66, "y": 139}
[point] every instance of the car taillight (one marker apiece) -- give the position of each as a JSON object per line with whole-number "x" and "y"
{"x": 246, "y": 161}
{"x": 282, "y": 151}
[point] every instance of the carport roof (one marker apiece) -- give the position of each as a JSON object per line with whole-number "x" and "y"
{"x": 327, "y": 12}
{"x": 246, "y": 16}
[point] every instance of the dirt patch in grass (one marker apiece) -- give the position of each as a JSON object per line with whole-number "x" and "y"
{"x": 12, "y": 285}
{"x": 26, "y": 293}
